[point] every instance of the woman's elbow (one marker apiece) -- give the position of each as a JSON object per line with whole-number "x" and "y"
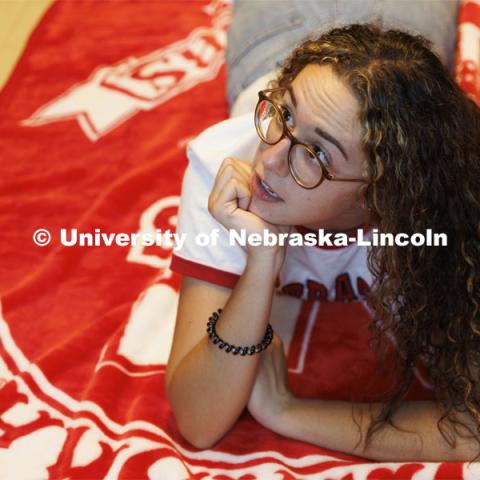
{"x": 188, "y": 426}
{"x": 197, "y": 437}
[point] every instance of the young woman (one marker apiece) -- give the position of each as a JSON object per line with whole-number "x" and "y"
{"x": 362, "y": 129}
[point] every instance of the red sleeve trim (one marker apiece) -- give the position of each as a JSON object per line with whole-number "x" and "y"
{"x": 202, "y": 272}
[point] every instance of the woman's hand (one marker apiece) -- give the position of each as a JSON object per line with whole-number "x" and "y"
{"x": 270, "y": 396}
{"x": 231, "y": 195}
{"x": 228, "y": 203}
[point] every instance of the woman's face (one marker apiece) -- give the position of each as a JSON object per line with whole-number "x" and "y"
{"x": 317, "y": 101}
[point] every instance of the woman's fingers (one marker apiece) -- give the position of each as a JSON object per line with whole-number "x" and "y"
{"x": 229, "y": 201}
{"x": 246, "y": 168}
{"x": 232, "y": 167}
{"x": 229, "y": 194}
{"x": 237, "y": 164}
{"x": 234, "y": 191}
{"x": 231, "y": 189}
{"x": 234, "y": 194}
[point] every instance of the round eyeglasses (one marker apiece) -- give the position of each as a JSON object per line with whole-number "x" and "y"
{"x": 306, "y": 168}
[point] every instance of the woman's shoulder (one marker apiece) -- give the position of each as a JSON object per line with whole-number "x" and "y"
{"x": 233, "y": 137}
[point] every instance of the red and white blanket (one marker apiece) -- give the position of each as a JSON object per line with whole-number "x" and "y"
{"x": 93, "y": 127}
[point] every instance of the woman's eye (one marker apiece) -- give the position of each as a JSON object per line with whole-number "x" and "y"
{"x": 287, "y": 116}
{"x": 321, "y": 155}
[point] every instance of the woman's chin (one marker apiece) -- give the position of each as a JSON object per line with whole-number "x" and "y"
{"x": 256, "y": 208}
{"x": 262, "y": 210}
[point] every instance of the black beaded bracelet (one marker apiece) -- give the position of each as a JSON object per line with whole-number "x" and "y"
{"x": 223, "y": 345}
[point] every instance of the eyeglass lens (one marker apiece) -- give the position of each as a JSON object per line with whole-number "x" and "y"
{"x": 304, "y": 165}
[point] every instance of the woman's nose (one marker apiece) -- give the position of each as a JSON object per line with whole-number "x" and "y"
{"x": 275, "y": 157}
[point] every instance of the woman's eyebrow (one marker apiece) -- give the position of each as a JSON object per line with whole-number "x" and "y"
{"x": 292, "y": 95}
{"x": 326, "y": 136}
{"x": 332, "y": 140}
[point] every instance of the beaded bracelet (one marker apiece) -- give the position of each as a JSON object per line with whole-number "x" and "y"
{"x": 223, "y": 345}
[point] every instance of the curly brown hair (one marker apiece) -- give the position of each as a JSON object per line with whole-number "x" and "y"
{"x": 421, "y": 135}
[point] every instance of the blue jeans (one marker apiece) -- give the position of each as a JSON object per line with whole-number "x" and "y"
{"x": 264, "y": 32}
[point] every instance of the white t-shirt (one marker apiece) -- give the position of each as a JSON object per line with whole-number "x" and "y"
{"x": 310, "y": 272}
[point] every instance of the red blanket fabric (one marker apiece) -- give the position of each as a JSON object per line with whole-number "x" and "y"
{"x": 93, "y": 127}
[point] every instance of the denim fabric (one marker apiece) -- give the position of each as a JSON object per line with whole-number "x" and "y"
{"x": 264, "y": 32}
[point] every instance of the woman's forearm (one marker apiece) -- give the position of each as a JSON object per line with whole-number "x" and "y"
{"x": 210, "y": 388}
{"x": 330, "y": 424}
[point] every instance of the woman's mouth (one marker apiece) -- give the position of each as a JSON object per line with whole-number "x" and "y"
{"x": 263, "y": 191}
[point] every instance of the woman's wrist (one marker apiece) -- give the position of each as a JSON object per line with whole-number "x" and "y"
{"x": 280, "y": 412}
{"x": 267, "y": 261}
